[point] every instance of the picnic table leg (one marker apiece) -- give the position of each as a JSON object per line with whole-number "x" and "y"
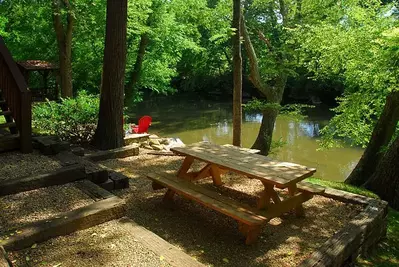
{"x": 268, "y": 194}
{"x": 188, "y": 161}
{"x": 168, "y": 195}
{"x": 292, "y": 190}
{"x": 215, "y": 172}
{"x": 251, "y": 233}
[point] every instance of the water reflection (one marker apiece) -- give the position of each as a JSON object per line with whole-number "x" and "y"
{"x": 207, "y": 121}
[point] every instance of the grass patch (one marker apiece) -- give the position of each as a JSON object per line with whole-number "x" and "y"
{"x": 387, "y": 251}
{"x": 343, "y": 187}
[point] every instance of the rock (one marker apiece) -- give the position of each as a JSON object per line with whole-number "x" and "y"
{"x": 79, "y": 151}
{"x": 154, "y": 142}
{"x": 154, "y": 136}
{"x": 157, "y": 147}
{"x": 148, "y": 147}
{"x": 145, "y": 143}
{"x": 165, "y": 141}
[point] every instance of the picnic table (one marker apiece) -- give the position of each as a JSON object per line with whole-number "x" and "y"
{"x": 221, "y": 159}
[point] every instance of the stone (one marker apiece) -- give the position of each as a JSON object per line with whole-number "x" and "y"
{"x": 148, "y": 147}
{"x": 154, "y": 142}
{"x": 157, "y": 147}
{"x": 165, "y": 141}
{"x": 78, "y": 151}
{"x": 154, "y": 136}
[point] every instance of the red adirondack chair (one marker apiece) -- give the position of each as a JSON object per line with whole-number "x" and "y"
{"x": 144, "y": 124}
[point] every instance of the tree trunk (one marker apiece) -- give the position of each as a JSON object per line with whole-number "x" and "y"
{"x": 135, "y": 73}
{"x": 382, "y": 135}
{"x": 264, "y": 140}
{"x": 64, "y": 41}
{"x": 237, "y": 75}
{"x": 385, "y": 180}
{"x": 109, "y": 133}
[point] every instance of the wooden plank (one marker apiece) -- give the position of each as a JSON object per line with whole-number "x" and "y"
{"x": 120, "y": 180}
{"x": 311, "y": 188}
{"x": 108, "y": 185}
{"x": 93, "y": 190}
{"x": 215, "y": 172}
{"x": 122, "y": 152}
{"x": 187, "y": 190}
{"x": 61, "y": 176}
{"x": 249, "y": 150}
{"x": 9, "y": 142}
{"x": 7, "y": 125}
{"x": 171, "y": 254}
{"x": 282, "y": 177}
{"x": 187, "y": 162}
{"x": 292, "y": 190}
{"x": 284, "y": 206}
{"x": 68, "y": 222}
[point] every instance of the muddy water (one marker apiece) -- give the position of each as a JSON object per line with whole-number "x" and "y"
{"x": 194, "y": 121}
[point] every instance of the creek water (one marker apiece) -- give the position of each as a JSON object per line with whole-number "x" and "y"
{"x": 195, "y": 120}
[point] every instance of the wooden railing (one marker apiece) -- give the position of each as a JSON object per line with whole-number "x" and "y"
{"x": 17, "y": 95}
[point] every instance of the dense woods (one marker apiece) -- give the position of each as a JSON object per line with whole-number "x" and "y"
{"x": 347, "y": 49}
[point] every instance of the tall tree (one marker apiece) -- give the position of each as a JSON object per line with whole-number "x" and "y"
{"x": 109, "y": 133}
{"x": 380, "y": 140}
{"x": 64, "y": 40}
{"x": 385, "y": 180}
{"x": 273, "y": 89}
{"x": 237, "y": 74}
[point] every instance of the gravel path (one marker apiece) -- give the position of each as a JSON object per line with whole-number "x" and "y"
{"x": 108, "y": 244}
{"x": 213, "y": 238}
{"x": 20, "y": 209}
{"x": 16, "y": 164}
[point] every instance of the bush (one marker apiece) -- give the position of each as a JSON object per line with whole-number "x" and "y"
{"x": 73, "y": 119}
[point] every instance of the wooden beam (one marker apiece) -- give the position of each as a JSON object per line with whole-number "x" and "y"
{"x": 66, "y": 223}
{"x": 123, "y": 152}
{"x": 171, "y": 254}
{"x": 61, "y": 176}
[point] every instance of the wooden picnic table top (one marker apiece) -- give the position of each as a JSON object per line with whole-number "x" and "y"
{"x": 282, "y": 174}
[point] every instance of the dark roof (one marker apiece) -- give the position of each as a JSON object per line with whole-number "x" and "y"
{"x": 37, "y": 65}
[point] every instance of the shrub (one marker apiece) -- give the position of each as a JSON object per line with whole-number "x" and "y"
{"x": 73, "y": 119}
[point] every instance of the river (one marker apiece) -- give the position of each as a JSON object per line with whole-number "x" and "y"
{"x": 194, "y": 121}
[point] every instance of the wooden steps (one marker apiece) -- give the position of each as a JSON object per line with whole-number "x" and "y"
{"x": 9, "y": 142}
{"x": 8, "y": 125}
{"x": 5, "y": 113}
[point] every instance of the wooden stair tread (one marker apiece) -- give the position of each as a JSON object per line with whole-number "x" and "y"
{"x": 8, "y": 125}
{"x": 208, "y": 198}
{"x": 5, "y": 113}
{"x": 9, "y": 142}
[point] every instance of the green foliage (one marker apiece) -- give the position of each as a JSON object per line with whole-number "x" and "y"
{"x": 260, "y": 105}
{"x": 292, "y": 110}
{"x": 71, "y": 119}
{"x": 358, "y": 45}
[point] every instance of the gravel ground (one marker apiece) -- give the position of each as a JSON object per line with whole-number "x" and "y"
{"x": 16, "y": 164}
{"x": 213, "y": 238}
{"x": 20, "y": 209}
{"x": 108, "y": 244}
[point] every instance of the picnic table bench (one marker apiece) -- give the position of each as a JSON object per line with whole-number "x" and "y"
{"x": 220, "y": 159}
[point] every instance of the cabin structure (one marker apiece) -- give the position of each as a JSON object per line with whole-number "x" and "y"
{"x": 15, "y": 105}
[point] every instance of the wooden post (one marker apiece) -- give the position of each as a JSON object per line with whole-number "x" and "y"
{"x": 237, "y": 74}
